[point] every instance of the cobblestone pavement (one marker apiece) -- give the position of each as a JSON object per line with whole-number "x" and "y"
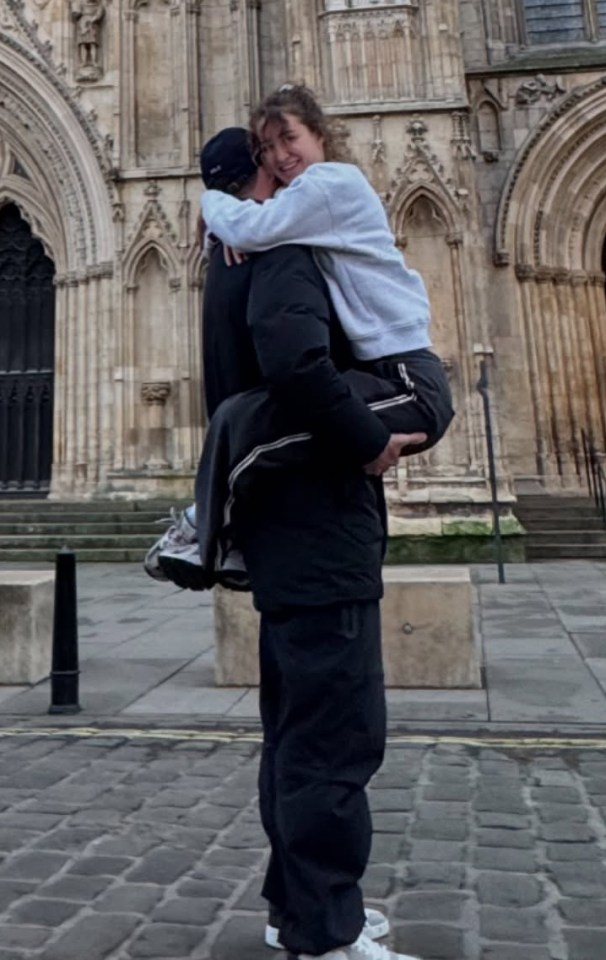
{"x": 123, "y": 847}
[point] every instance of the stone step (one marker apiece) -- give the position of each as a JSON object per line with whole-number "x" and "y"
{"x": 587, "y": 509}
{"x": 76, "y": 542}
{"x": 88, "y": 555}
{"x": 532, "y": 523}
{"x": 567, "y": 536}
{"x": 84, "y": 528}
{"x": 118, "y": 520}
{"x": 554, "y": 550}
{"x": 46, "y": 507}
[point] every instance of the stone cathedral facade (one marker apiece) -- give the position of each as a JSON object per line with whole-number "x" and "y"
{"x": 482, "y": 125}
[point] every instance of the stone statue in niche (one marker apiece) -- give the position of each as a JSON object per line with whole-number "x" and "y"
{"x": 88, "y": 16}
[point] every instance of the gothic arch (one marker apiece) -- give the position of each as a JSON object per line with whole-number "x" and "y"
{"x": 552, "y": 221}
{"x": 557, "y": 169}
{"x": 407, "y": 195}
{"x": 139, "y": 251}
{"x": 63, "y": 156}
{"x": 43, "y": 218}
{"x": 151, "y": 230}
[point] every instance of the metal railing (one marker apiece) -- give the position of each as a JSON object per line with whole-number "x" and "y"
{"x": 594, "y": 471}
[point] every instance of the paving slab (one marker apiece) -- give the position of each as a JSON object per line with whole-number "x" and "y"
{"x": 560, "y": 689}
{"x": 147, "y": 650}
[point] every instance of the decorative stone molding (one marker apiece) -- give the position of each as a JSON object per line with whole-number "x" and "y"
{"x": 341, "y": 134}
{"x": 66, "y": 162}
{"x": 361, "y": 35}
{"x": 461, "y": 137}
{"x": 560, "y": 112}
{"x": 423, "y": 172}
{"x": 532, "y": 91}
{"x": 544, "y": 275}
{"x": 378, "y": 155}
{"x": 155, "y": 393}
{"x": 525, "y": 272}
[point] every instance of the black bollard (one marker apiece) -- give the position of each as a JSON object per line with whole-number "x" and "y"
{"x": 65, "y": 672}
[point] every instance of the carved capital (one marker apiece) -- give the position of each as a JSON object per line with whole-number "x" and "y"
{"x": 561, "y": 277}
{"x": 578, "y": 278}
{"x": 454, "y": 239}
{"x": 544, "y": 275}
{"x": 155, "y": 393}
{"x": 597, "y": 279}
{"x": 524, "y": 272}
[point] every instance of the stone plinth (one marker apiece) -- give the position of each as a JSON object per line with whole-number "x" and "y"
{"x": 237, "y": 639}
{"x": 427, "y": 622}
{"x": 26, "y": 624}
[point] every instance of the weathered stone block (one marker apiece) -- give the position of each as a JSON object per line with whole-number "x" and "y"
{"x": 427, "y": 630}
{"x": 427, "y": 621}
{"x": 26, "y": 619}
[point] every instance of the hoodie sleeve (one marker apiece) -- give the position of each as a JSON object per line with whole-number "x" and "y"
{"x": 289, "y": 317}
{"x": 299, "y": 214}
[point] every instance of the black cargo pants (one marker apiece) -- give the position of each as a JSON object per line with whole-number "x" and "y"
{"x": 322, "y": 704}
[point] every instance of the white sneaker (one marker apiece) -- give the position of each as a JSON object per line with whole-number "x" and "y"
{"x": 363, "y": 949}
{"x": 181, "y": 532}
{"x": 376, "y": 927}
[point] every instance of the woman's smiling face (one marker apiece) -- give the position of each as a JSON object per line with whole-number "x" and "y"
{"x": 288, "y": 148}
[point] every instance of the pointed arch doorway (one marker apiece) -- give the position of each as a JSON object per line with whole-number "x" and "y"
{"x": 27, "y": 322}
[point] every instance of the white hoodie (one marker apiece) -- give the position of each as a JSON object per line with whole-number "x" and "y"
{"x": 382, "y": 305}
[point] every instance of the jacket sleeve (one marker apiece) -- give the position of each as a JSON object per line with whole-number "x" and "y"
{"x": 289, "y": 318}
{"x": 298, "y": 214}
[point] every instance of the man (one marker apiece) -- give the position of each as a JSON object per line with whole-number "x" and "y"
{"x": 313, "y": 542}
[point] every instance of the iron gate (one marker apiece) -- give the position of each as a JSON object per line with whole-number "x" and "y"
{"x": 27, "y": 321}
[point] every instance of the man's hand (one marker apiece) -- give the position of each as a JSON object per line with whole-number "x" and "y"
{"x": 391, "y": 454}
{"x": 233, "y": 257}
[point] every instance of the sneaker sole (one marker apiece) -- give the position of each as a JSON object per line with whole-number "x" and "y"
{"x": 185, "y": 575}
{"x": 376, "y": 932}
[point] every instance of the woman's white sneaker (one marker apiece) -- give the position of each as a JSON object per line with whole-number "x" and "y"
{"x": 363, "y": 949}
{"x": 376, "y": 927}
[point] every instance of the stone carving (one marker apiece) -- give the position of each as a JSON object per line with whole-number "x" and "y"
{"x": 531, "y": 91}
{"x": 372, "y": 53}
{"x": 341, "y": 135}
{"x": 155, "y": 393}
{"x": 88, "y": 16}
{"x": 461, "y": 136}
{"x": 378, "y": 144}
{"x": 422, "y": 166}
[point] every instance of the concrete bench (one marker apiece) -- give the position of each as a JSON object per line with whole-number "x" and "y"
{"x": 26, "y": 625}
{"x": 427, "y": 623}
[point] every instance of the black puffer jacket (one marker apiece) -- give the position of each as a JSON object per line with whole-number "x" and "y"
{"x": 313, "y": 535}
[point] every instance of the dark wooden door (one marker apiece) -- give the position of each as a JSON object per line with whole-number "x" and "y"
{"x": 27, "y": 330}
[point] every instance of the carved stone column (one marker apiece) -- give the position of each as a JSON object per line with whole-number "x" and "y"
{"x": 155, "y": 396}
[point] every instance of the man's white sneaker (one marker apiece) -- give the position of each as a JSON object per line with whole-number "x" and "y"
{"x": 363, "y": 949}
{"x": 376, "y": 926}
{"x": 181, "y": 532}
